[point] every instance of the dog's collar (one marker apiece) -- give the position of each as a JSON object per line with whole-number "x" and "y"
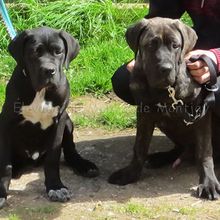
{"x": 179, "y": 102}
{"x": 172, "y": 93}
{"x": 190, "y": 118}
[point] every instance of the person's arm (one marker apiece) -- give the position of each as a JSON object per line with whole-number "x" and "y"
{"x": 165, "y": 8}
{"x": 216, "y": 51}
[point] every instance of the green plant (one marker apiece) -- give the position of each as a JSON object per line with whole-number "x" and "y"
{"x": 84, "y": 19}
{"x": 114, "y": 116}
{"x": 118, "y": 116}
{"x": 14, "y": 217}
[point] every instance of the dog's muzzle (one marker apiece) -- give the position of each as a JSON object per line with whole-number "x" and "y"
{"x": 47, "y": 71}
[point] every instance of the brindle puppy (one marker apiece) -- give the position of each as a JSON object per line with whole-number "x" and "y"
{"x": 167, "y": 97}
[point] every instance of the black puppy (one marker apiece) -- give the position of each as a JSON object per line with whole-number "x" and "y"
{"x": 169, "y": 98}
{"x": 34, "y": 124}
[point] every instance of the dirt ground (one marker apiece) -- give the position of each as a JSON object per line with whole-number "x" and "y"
{"x": 163, "y": 193}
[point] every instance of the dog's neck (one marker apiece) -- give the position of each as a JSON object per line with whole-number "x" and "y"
{"x": 169, "y": 99}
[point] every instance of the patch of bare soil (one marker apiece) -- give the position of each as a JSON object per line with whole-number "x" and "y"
{"x": 162, "y": 193}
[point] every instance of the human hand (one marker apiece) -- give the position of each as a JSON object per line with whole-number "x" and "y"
{"x": 199, "y": 69}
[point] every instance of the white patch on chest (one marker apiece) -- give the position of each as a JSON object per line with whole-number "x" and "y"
{"x": 40, "y": 111}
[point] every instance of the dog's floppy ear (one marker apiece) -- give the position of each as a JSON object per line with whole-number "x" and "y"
{"x": 134, "y": 32}
{"x": 16, "y": 47}
{"x": 72, "y": 47}
{"x": 188, "y": 35}
{"x": 184, "y": 82}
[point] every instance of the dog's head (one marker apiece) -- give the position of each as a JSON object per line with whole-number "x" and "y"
{"x": 42, "y": 53}
{"x": 160, "y": 45}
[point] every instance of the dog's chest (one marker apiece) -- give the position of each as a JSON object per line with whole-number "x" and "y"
{"x": 40, "y": 111}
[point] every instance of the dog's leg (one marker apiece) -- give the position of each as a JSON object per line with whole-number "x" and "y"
{"x": 55, "y": 189}
{"x": 5, "y": 164}
{"x": 209, "y": 186}
{"x": 5, "y": 178}
{"x": 81, "y": 166}
{"x": 131, "y": 173}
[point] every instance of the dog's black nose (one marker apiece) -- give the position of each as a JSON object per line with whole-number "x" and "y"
{"x": 48, "y": 71}
{"x": 165, "y": 68}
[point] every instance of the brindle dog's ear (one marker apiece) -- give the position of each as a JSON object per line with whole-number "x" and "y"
{"x": 72, "y": 47}
{"x": 188, "y": 35}
{"x": 185, "y": 84}
{"x": 16, "y": 47}
{"x": 134, "y": 32}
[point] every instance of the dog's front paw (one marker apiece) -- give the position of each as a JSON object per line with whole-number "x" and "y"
{"x": 124, "y": 176}
{"x": 59, "y": 195}
{"x": 86, "y": 168}
{"x": 209, "y": 189}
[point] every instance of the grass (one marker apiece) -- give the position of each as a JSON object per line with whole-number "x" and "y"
{"x": 137, "y": 210}
{"x": 187, "y": 211}
{"x": 85, "y": 19}
{"x": 117, "y": 116}
{"x": 161, "y": 211}
{"x": 13, "y": 217}
{"x": 95, "y": 65}
{"x": 114, "y": 116}
{"x": 128, "y": 210}
{"x": 40, "y": 212}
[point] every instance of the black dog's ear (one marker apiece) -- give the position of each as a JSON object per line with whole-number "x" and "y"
{"x": 72, "y": 47}
{"x": 16, "y": 47}
{"x": 189, "y": 37}
{"x": 134, "y": 32}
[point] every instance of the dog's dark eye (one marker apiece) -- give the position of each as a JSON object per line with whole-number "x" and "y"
{"x": 58, "y": 51}
{"x": 155, "y": 42}
{"x": 175, "y": 45}
{"x": 150, "y": 45}
{"x": 39, "y": 51}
